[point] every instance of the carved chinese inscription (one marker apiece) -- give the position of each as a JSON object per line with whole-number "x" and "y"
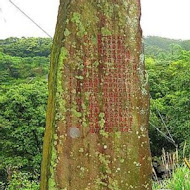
{"x": 112, "y": 78}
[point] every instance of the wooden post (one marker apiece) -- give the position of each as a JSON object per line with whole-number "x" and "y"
{"x": 97, "y": 118}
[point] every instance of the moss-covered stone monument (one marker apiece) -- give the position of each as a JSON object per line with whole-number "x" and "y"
{"x": 96, "y": 134}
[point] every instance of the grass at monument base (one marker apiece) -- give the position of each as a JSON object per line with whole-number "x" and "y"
{"x": 180, "y": 180}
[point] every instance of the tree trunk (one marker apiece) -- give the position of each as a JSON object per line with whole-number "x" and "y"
{"x": 96, "y": 132}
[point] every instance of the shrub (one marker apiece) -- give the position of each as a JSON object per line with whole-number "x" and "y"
{"x": 180, "y": 180}
{"x": 22, "y": 181}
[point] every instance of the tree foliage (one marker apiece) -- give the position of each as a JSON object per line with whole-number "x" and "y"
{"x": 18, "y": 68}
{"x": 22, "y": 121}
{"x": 26, "y": 47}
{"x": 169, "y": 78}
{"x": 23, "y": 89}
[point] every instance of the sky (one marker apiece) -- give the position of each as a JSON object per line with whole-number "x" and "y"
{"x": 165, "y": 18}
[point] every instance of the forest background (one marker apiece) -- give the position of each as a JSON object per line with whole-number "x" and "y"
{"x": 24, "y": 65}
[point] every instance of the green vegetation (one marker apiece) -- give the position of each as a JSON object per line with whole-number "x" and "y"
{"x": 157, "y": 46}
{"x": 180, "y": 180}
{"x": 22, "y": 181}
{"x": 24, "y": 65}
{"x": 26, "y": 47}
{"x": 169, "y": 78}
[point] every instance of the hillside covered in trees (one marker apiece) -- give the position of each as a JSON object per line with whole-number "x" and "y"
{"x": 24, "y": 65}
